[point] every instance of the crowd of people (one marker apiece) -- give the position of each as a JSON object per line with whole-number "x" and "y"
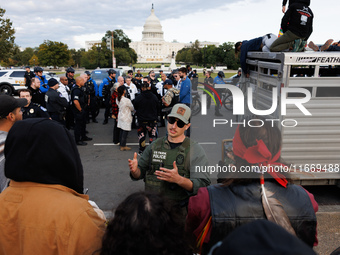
{"x": 44, "y": 206}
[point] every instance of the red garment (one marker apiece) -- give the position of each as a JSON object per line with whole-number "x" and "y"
{"x": 114, "y": 104}
{"x": 199, "y": 213}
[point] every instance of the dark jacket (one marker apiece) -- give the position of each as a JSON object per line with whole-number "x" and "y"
{"x": 243, "y": 204}
{"x": 284, "y": 2}
{"x": 55, "y": 103}
{"x": 146, "y": 106}
{"x": 34, "y": 111}
{"x": 251, "y": 45}
{"x": 298, "y": 19}
{"x": 37, "y": 96}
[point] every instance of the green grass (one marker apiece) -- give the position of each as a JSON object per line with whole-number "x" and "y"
{"x": 201, "y": 76}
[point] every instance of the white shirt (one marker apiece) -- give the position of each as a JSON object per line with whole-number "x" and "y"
{"x": 64, "y": 91}
{"x": 132, "y": 90}
{"x": 159, "y": 87}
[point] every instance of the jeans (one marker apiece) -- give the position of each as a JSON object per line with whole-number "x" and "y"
{"x": 123, "y": 137}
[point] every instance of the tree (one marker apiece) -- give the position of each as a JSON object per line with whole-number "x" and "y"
{"x": 53, "y": 54}
{"x": 6, "y": 36}
{"x": 76, "y": 56}
{"x": 34, "y": 61}
{"x": 121, "y": 40}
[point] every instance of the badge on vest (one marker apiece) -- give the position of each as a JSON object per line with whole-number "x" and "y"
{"x": 159, "y": 156}
{"x": 180, "y": 159}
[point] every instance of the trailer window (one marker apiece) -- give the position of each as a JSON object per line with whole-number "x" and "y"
{"x": 329, "y": 71}
{"x": 328, "y": 92}
{"x": 300, "y": 94}
{"x": 302, "y": 71}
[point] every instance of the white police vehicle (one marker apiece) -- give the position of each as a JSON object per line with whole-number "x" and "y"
{"x": 11, "y": 80}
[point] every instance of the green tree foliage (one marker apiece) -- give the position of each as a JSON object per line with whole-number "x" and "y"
{"x": 53, "y": 54}
{"x": 23, "y": 57}
{"x": 209, "y": 55}
{"x": 6, "y": 37}
{"x": 97, "y": 56}
{"x": 101, "y": 55}
{"x": 76, "y": 56}
{"x": 121, "y": 40}
{"x": 34, "y": 61}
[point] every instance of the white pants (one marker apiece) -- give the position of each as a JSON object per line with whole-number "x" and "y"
{"x": 267, "y": 42}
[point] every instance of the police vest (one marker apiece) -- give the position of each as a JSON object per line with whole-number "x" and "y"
{"x": 107, "y": 88}
{"x": 162, "y": 157}
{"x": 90, "y": 90}
{"x": 82, "y": 97}
{"x": 236, "y": 205}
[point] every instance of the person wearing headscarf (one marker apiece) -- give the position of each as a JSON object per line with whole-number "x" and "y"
{"x": 44, "y": 210}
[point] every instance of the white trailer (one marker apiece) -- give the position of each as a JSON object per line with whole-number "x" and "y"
{"x": 313, "y": 145}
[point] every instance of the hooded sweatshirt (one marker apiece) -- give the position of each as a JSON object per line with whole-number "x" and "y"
{"x": 43, "y": 211}
{"x": 298, "y": 19}
{"x": 146, "y": 106}
{"x": 43, "y": 151}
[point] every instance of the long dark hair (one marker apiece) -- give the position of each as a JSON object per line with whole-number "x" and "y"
{"x": 144, "y": 223}
{"x": 120, "y": 92}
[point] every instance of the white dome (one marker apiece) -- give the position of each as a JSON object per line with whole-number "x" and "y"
{"x": 152, "y": 28}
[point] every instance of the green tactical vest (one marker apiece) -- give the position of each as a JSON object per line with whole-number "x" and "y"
{"x": 161, "y": 156}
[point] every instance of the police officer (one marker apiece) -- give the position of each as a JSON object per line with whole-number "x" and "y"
{"x": 70, "y": 77}
{"x": 139, "y": 80}
{"x": 92, "y": 92}
{"x": 56, "y": 104}
{"x": 28, "y": 76}
{"x": 168, "y": 164}
{"x": 31, "y": 110}
{"x": 43, "y": 81}
{"x": 105, "y": 92}
{"x": 79, "y": 102}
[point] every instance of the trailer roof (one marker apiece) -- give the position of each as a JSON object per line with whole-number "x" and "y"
{"x": 299, "y": 58}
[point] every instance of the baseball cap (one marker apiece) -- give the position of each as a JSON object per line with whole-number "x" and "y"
{"x": 182, "y": 112}
{"x": 9, "y": 104}
{"x": 52, "y": 82}
{"x": 169, "y": 82}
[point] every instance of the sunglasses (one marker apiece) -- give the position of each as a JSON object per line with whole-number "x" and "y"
{"x": 172, "y": 120}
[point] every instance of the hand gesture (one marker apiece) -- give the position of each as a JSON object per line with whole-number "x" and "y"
{"x": 169, "y": 175}
{"x": 133, "y": 163}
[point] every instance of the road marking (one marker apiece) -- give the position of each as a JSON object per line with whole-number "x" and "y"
{"x": 136, "y": 144}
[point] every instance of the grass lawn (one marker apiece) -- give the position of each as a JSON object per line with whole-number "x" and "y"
{"x": 200, "y": 75}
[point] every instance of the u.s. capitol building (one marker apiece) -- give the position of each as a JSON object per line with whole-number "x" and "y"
{"x": 152, "y": 48}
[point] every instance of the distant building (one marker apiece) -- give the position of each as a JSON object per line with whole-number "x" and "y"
{"x": 89, "y": 44}
{"x": 153, "y": 48}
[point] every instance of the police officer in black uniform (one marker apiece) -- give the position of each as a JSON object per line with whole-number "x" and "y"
{"x": 70, "y": 77}
{"x": 31, "y": 110}
{"x": 56, "y": 104}
{"x": 105, "y": 92}
{"x": 92, "y": 92}
{"x": 28, "y": 76}
{"x": 79, "y": 102}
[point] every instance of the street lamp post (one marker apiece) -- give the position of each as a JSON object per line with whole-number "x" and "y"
{"x": 113, "y": 53}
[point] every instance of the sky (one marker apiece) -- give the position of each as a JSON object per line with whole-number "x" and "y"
{"x": 75, "y": 21}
